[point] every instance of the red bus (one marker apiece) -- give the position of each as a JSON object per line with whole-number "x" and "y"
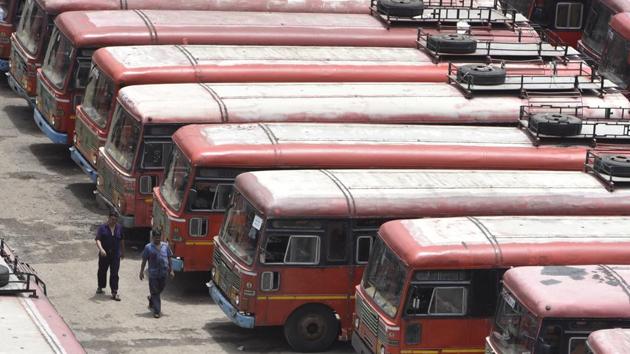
{"x": 439, "y": 291}
{"x": 596, "y": 27}
{"x": 286, "y": 231}
{"x": 151, "y": 114}
{"x": 608, "y": 341}
{"x": 115, "y": 67}
{"x": 30, "y": 41}
{"x": 210, "y": 156}
{"x": 553, "y": 309}
{"x": 10, "y": 12}
{"x": 33, "y": 322}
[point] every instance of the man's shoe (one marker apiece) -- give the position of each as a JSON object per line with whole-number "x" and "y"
{"x": 115, "y": 297}
{"x": 156, "y": 315}
{"x": 99, "y": 290}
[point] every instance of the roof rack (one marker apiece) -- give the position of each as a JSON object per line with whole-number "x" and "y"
{"x": 21, "y": 275}
{"x": 585, "y": 79}
{"x": 440, "y": 11}
{"x": 610, "y": 166}
{"x": 561, "y": 123}
{"x": 496, "y": 46}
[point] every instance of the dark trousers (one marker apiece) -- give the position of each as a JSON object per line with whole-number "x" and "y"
{"x": 156, "y": 285}
{"x": 113, "y": 263}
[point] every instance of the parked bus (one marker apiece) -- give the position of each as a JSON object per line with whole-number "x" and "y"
{"x": 10, "y": 12}
{"x": 212, "y": 156}
{"x": 596, "y": 28}
{"x": 30, "y": 41}
{"x": 146, "y": 116}
{"x": 285, "y": 231}
{"x": 614, "y": 63}
{"x": 30, "y": 323}
{"x": 116, "y": 67}
{"x": 553, "y": 309}
{"x": 446, "y": 275}
{"x": 608, "y": 341}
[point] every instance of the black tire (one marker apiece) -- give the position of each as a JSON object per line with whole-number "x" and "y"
{"x": 613, "y": 165}
{"x": 480, "y": 74}
{"x": 400, "y": 8}
{"x": 452, "y": 43}
{"x": 311, "y": 328}
{"x": 4, "y": 275}
{"x": 555, "y": 124}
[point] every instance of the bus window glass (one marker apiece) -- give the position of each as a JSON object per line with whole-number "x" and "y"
{"x": 175, "y": 180}
{"x": 596, "y": 27}
{"x": 569, "y": 15}
{"x": 614, "y": 64}
{"x": 448, "y": 301}
{"x": 56, "y": 66}
{"x": 154, "y": 153}
{"x": 364, "y": 245}
{"x": 577, "y": 345}
{"x": 241, "y": 229}
{"x": 222, "y": 196}
{"x": 99, "y": 95}
{"x": 302, "y": 249}
{"x": 514, "y": 327}
{"x": 30, "y": 29}
{"x": 337, "y": 242}
{"x": 521, "y": 6}
{"x": 384, "y": 278}
{"x": 123, "y": 139}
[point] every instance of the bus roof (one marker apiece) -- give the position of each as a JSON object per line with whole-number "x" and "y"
{"x": 610, "y": 341}
{"x": 223, "y": 63}
{"x": 391, "y": 103}
{"x": 428, "y": 193}
{"x": 620, "y": 23}
{"x": 505, "y": 241}
{"x": 55, "y": 7}
{"x": 360, "y": 145}
{"x": 109, "y": 28}
{"x": 589, "y": 291}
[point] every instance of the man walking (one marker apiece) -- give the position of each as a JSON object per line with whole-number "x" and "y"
{"x": 158, "y": 254}
{"x": 111, "y": 249}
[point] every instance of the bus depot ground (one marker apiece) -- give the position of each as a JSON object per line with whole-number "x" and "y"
{"x": 48, "y": 215}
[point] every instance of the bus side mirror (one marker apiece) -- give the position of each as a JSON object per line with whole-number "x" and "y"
{"x": 542, "y": 347}
{"x": 192, "y": 198}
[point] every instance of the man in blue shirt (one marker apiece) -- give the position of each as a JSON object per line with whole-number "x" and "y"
{"x": 111, "y": 249}
{"x": 158, "y": 254}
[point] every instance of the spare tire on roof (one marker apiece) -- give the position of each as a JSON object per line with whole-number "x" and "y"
{"x": 400, "y": 8}
{"x": 481, "y": 74}
{"x": 614, "y": 165}
{"x": 555, "y": 124}
{"x": 4, "y": 275}
{"x": 452, "y": 43}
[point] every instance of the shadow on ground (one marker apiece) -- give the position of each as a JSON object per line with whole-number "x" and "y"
{"x": 56, "y": 158}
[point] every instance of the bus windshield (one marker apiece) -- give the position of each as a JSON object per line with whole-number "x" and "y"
{"x": 123, "y": 139}
{"x": 57, "y": 63}
{"x": 596, "y": 27}
{"x": 175, "y": 179}
{"x": 615, "y": 61}
{"x": 99, "y": 94}
{"x": 384, "y": 278}
{"x": 515, "y": 328}
{"x": 241, "y": 229}
{"x": 31, "y": 27}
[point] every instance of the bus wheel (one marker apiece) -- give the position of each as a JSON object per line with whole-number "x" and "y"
{"x": 400, "y": 8}
{"x": 452, "y": 43}
{"x": 480, "y": 74}
{"x": 4, "y": 275}
{"x": 614, "y": 165}
{"x": 311, "y": 328}
{"x": 555, "y": 124}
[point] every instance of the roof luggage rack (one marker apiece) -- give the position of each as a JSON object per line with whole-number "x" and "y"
{"x": 560, "y": 123}
{"x": 451, "y": 43}
{"x": 611, "y": 167}
{"x": 440, "y": 11}
{"x": 480, "y": 78}
{"x": 21, "y": 275}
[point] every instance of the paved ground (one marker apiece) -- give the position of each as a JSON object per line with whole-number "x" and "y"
{"x": 48, "y": 215}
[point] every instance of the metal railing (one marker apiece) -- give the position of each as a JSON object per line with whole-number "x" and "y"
{"x": 22, "y": 277}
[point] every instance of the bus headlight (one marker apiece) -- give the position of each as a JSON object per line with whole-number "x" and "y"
{"x": 213, "y": 271}
{"x": 237, "y": 300}
{"x": 74, "y": 139}
{"x": 356, "y": 323}
{"x": 382, "y": 351}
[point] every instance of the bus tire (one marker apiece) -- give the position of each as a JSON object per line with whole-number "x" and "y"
{"x": 613, "y": 165}
{"x": 4, "y": 275}
{"x": 481, "y": 74}
{"x": 555, "y": 124}
{"x": 400, "y": 8}
{"x": 452, "y": 43}
{"x": 311, "y": 328}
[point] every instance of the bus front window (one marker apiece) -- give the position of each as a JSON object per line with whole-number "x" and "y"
{"x": 31, "y": 27}
{"x": 99, "y": 94}
{"x": 57, "y": 63}
{"x": 615, "y": 60}
{"x": 515, "y": 328}
{"x": 596, "y": 27}
{"x": 123, "y": 139}
{"x": 384, "y": 278}
{"x": 175, "y": 179}
{"x": 241, "y": 229}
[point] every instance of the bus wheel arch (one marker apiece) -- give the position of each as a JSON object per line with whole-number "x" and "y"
{"x": 311, "y": 328}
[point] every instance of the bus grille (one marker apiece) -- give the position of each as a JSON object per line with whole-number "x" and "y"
{"x": 369, "y": 318}
{"x": 86, "y": 140}
{"x": 46, "y": 102}
{"x": 110, "y": 181}
{"x": 18, "y": 66}
{"x": 228, "y": 279}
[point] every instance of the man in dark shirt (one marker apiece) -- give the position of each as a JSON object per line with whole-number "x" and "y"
{"x": 111, "y": 249}
{"x": 158, "y": 254}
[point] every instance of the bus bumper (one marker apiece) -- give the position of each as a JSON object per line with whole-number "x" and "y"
{"x": 4, "y": 65}
{"x": 124, "y": 220}
{"x": 76, "y": 156}
{"x": 17, "y": 88}
{"x": 230, "y": 311}
{"x": 55, "y": 136}
{"x": 359, "y": 346}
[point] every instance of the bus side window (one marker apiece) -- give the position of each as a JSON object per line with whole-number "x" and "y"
{"x": 577, "y": 345}
{"x": 363, "y": 248}
{"x": 222, "y": 196}
{"x": 292, "y": 249}
{"x": 337, "y": 242}
{"x": 205, "y": 195}
{"x": 437, "y": 300}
